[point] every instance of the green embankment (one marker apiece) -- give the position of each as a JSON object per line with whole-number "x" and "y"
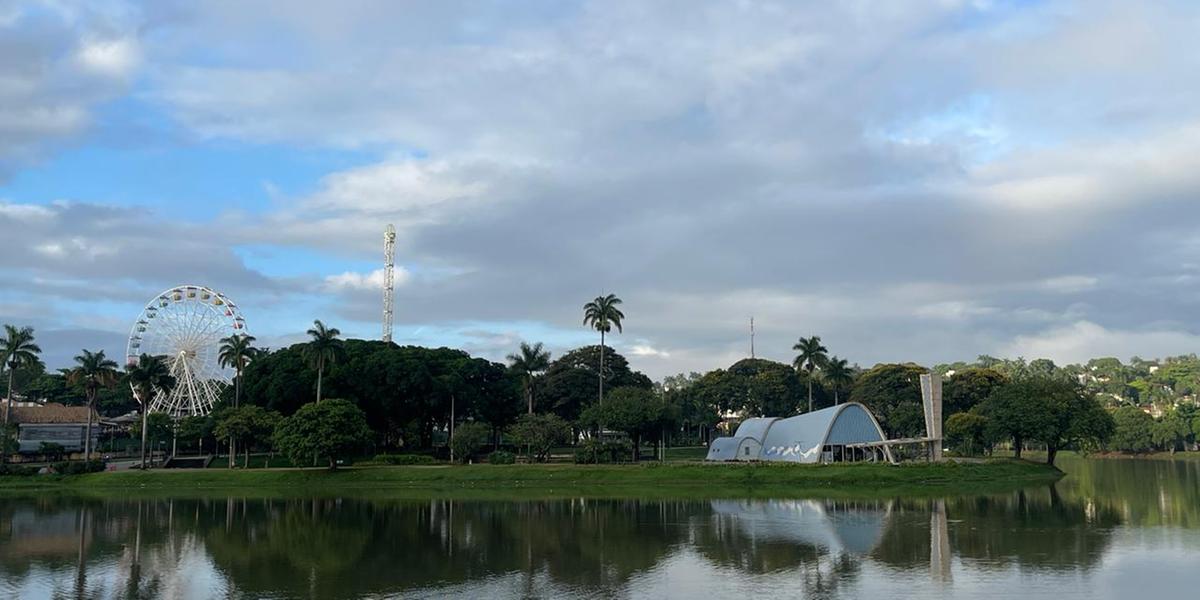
{"x": 654, "y": 480}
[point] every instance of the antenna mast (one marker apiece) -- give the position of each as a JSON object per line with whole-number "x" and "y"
{"x": 389, "y": 260}
{"x": 751, "y": 337}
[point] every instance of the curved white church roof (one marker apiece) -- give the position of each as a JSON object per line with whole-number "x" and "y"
{"x": 756, "y": 427}
{"x": 801, "y": 438}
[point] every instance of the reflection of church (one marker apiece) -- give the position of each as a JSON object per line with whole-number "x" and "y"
{"x": 831, "y": 527}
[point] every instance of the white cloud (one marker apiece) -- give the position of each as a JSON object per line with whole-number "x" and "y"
{"x": 117, "y": 58}
{"x": 25, "y": 213}
{"x": 954, "y": 310}
{"x": 356, "y": 281}
{"x": 922, "y": 182}
{"x": 76, "y": 248}
{"x": 1083, "y": 340}
{"x": 646, "y": 350}
{"x": 1070, "y": 284}
{"x": 57, "y": 62}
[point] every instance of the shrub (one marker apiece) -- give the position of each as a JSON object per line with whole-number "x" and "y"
{"x": 539, "y": 433}
{"x": 966, "y": 433}
{"x": 405, "y": 459}
{"x": 52, "y": 451}
{"x": 603, "y": 451}
{"x": 78, "y": 467}
{"x": 331, "y": 431}
{"x": 468, "y": 439}
{"x": 17, "y": 470}
{"x": 501, "y": 457}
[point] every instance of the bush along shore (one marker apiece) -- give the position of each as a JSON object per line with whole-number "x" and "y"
{"x": 671, "y": 479}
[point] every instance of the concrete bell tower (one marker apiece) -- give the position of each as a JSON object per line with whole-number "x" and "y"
{"x": 931, "y": 399}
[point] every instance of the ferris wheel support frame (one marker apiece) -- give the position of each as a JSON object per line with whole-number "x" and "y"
{"x": 184, "y": 324}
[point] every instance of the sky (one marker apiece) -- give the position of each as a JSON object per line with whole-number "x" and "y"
{"x": 918, "y": 181}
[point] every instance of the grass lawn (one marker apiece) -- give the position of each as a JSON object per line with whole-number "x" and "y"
{"x": 508, "y": 481}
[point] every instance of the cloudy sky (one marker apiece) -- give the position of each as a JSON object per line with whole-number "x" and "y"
{"x": 923, "y": 181}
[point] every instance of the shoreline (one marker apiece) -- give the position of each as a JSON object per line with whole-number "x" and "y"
{"x": 683, "y": 480}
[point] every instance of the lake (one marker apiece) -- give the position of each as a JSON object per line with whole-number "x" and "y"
{"x": 1110, "y": 529}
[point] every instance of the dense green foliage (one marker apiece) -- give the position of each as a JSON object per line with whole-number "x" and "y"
{"x": 537, "y": 434}
{"x": 569, "y": 385}
{"x": 1055, "y": 412}
{"x": 159, "y": 428}
{"x": 468, "y": 440}
{"x": 252, "y": 426}
{"x": 594, "y": 451}
{"x": 405, "y": 459}
{"x": 634, "y": 411}
{"x": 192, "y": 431}
{"x": 1134, "y": 430}
{"x": 966, "y": 434}
{"x": 893, "y": 393}
{"x": 502, "y": 457}
{"x": 405, "y": 391}
{"x": 327, "y": 431}
{"x": 969, "y": 388}
{"x": 753, "y": 386}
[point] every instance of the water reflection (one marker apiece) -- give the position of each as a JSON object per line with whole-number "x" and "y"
{"x": 342, "y": 548}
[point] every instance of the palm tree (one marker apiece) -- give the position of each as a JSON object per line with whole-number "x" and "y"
{"x": 838, "y": 374}
{"x": 602, "y": 315}
{"x": 324, "y": 349}
{"x": 811, "y": 356}
{"x": 149, "y": 376}
{"x": 18, "y": 350}
{"x": 236, "y": 351}
{"x": 93, "y": 371}
{"x": 531, "y": 361}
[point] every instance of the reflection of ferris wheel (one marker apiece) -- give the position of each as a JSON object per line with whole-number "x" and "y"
{"x": 185, "y": 325}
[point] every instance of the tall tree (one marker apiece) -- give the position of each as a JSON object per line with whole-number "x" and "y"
{"x": 93, "y": 370}
{"x": 236, "y": 351}
{"x": 18, "y": 351}
{"x": 530, "y": 361}
{"x": 893, "y": 393}
{"x": 811, "y": 355}
{"x": 148, "y": 377}
{"x": 839, "y": 375}
{"x": 602, "y": 315}
{"x": 1067, "y": 415}
{"x": 969, "y": 388}
{"x": 323, "y": 349}
{"x": 568, "y": 386}
{"x": 632, "y": 410}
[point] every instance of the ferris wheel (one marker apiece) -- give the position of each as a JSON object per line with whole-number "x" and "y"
{"x": 185, "y": 325}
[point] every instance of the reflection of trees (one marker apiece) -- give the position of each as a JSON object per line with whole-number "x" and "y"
{"x": 1036, "y": 527}
{"x": 1146, "y": 493}
{"x": 340, "y": 548}
{"x": 330, "y": 548}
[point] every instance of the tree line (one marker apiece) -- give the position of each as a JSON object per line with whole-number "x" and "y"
{"x": 413, "y": 398}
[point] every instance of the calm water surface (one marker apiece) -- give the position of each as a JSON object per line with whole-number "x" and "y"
{"x": 1111, "y": 529}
